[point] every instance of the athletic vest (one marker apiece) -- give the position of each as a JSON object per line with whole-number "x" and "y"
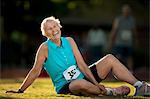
{"x": 59, "y": 59}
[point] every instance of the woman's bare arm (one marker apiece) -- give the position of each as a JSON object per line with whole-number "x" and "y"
{"x": 35, "y": 71}
{"x": 81, "y": 63}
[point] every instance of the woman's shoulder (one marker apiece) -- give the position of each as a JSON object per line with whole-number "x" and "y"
{"x": 69, "y": 39}
{"x": 43, "y": 46}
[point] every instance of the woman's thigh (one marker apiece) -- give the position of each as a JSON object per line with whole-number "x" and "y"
{"x": 77, "y": 86}
{"x": 103, "y": 66}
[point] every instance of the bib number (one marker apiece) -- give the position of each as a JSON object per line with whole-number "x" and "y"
{"x": 71, "y": 73}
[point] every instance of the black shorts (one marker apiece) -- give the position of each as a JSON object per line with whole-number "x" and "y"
{"x": 65, "y": 88}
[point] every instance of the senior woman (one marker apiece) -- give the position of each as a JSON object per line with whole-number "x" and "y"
{"x": 63, "y": 61}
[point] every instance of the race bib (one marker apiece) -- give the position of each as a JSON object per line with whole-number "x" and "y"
{"x": 126, "y": 35}
{"x": 71, "y": 73}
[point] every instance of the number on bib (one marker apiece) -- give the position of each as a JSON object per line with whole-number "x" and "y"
{"x": 71, "y": 73}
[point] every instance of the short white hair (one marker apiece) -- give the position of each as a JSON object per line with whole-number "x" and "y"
{"x": 52, "y": 18}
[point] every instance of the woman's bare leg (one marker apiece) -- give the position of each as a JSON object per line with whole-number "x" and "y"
{"x": 110, "y": 63}
{"x": 84, "y": 87}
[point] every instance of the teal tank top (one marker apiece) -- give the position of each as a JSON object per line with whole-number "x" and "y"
{"x": 59, "y": 59}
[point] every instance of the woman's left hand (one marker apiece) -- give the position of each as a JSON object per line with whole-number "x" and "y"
{"x": 102, "y": 88}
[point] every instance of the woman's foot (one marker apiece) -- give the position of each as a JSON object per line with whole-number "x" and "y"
{"x": 119, "y": 91}
{"x": 143, "y": 90}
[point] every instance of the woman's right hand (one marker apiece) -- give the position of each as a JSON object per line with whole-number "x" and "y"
{"x": 13, "y": 91}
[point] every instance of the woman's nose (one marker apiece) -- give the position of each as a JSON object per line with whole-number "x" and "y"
{"x": 54, "y": 29}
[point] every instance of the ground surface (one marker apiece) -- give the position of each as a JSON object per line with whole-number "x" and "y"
{"x": 42, "y": 88}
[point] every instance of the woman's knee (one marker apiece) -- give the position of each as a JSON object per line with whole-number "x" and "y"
{"x": 106, "y": 59}
{"x": 109, "y": 57}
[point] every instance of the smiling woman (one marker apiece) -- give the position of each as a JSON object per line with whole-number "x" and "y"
{"x": 56, "y": 21}
{"x": 50, "y": 28}
{"x": 61, "y": 58}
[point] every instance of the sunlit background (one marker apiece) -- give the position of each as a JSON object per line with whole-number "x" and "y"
{"x": 21, "y": 36}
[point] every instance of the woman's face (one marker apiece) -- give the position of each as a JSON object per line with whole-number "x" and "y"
{"x": 52, "y": 30}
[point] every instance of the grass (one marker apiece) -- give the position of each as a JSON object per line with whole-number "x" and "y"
{"x": 42, "y": 88}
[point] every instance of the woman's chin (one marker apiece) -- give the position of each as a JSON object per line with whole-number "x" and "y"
{"x": 56, "y": 38}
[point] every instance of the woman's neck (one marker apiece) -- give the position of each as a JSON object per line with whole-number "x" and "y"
{"x": 57, "y": 42}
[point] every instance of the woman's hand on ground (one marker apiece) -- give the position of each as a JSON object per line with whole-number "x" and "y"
{"x": 13, "y": 91}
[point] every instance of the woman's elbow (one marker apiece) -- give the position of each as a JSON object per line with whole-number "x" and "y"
{"x": 36, "y": 72}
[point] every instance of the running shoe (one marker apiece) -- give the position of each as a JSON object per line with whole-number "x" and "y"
{"x": 143, "y": 90}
